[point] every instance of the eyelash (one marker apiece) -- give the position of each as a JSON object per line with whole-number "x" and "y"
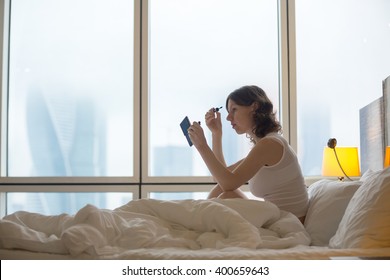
{"x": 232, "y": 110}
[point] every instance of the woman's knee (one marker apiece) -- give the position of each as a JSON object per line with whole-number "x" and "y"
{"x": 215, "y": 192}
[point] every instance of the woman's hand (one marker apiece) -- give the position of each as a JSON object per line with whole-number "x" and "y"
{"x": 213, "y": 121}
{"x": 195, "y": 131}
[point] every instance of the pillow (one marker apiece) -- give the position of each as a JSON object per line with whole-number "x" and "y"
{"x": 366, "y": 222}
{"x": 368, "y": 174}
{"x": 328, "y": 200}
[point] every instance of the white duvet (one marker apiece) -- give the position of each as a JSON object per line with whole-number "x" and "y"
{"x": 147, "y": 223}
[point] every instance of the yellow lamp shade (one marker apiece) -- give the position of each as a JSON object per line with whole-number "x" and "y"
{"x": 386, "y": 162}
{"x": 348, "y": 158}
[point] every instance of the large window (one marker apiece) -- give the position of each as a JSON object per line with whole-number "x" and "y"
{"x": 73, "y": 82}
{"x": 200, "y": 51}
{"x": 70, "y": 88}
{"x": 342, "y": 57}
{"x": 70, "y": 99}
{"x": 93, "y": 92}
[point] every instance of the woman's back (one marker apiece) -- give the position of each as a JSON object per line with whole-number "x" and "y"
{"x": 283, "y": 183}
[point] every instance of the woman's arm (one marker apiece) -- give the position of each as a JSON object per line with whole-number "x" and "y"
{"x": 214, "y": 123}
{"x": 217, "y": 149}
{"x": 265, "y": 152}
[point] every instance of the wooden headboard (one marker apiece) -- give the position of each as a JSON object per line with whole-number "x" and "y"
{"x": 375, "y": 130}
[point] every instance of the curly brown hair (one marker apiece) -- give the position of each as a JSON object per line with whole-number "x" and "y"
{"x": 264, "y": 116}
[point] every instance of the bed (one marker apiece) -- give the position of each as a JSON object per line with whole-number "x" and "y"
{"x": 345, "y": 219}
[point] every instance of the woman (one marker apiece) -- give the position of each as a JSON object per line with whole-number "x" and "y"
{"x": 271, "y": 167}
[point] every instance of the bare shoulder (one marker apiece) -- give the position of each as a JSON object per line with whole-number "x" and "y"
{"x": 271, "y": 150}
{"x": 269, "y": 143}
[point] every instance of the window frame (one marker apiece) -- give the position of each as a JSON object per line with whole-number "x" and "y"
{"x": 141, "y": 183}
{"x": 5, "y": 10}
{"x": 287, "y": 91}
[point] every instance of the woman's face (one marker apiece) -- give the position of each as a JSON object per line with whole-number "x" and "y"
{"x": 240, "y": 117}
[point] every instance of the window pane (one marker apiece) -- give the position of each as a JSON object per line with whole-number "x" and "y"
{"x": 200, "y": 51}
{"x": 71, "y": 88}
{"x": 58, "y": 203}
{"x": 188, "y": 195}
{"x": 177, "y": 195}
{"x": 340, "y": 67}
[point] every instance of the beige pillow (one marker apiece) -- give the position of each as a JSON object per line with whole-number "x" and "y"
{"x": 328, "y": 200}
{"x": 366, "y": 221}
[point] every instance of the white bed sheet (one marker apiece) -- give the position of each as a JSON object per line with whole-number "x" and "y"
{"x": 160, "y": 230}
{"x": 186, "y": 224}
{"x": 295, "y": 253}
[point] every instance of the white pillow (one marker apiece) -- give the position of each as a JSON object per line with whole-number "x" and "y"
{"x": 366, "y": 222}
{"x": 368, "y": 175}
{"x": 328, "y": 200}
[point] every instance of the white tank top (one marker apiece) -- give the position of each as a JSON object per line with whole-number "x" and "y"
{"x": 282, "y": 183}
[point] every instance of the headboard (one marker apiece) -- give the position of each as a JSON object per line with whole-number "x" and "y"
{"x": 375, "y": 130}
{"x": 386, "y": 108}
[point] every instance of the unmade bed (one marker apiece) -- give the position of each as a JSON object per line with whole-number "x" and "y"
{"x": 344, "y": 219}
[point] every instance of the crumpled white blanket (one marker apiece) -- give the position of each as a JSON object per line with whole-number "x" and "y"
{"x": 148, "y": 223}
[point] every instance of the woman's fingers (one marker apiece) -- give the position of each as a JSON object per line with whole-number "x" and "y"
{"x": 196, "y": 132}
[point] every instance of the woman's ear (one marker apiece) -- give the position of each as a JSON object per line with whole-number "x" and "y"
{"x": 255, "y": 106}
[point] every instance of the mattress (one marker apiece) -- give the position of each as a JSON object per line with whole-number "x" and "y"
{"x": 295, "y": 253}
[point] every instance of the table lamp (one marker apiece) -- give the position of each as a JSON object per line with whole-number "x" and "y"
{"x": 340, "y": 161}
{"x": 386, "y": 162}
